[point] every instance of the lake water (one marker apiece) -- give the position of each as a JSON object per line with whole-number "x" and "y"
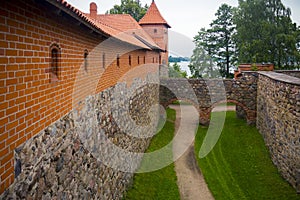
{"x": 184, "y": 66}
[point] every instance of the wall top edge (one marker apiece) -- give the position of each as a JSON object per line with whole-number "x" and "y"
{"x": 281, "y": 77}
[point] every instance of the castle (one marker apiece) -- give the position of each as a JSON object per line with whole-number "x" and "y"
{"x": 77, "y": 92}
{"x": 55, "y": 61}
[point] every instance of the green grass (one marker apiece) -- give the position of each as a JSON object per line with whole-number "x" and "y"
{"x": 226, "y": 104}
{"x": 239, "y": 166}
{"x": 161, "y": 184}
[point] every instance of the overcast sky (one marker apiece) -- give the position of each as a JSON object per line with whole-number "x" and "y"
{"x": 185, "y": 16}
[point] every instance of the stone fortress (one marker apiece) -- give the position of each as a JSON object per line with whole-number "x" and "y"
{"x": 73, "y": 84}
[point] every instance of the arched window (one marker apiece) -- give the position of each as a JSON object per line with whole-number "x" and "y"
{"x": 118, "y": 60}
{"x": 129, "y": 60}
{"x": 85, "y": 57}
{"x": 54, "y": 62}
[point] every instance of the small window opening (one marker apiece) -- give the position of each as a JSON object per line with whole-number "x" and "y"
{"x": 103, "y": 60}
{"x": 160, "y": 59}
{"x": 118, "y": 60}
{"x": 129, "y": 60}
{"x": 138, "y": 60}
{"x": 144, "y": 60}
{"x": 54, "y": 62}
{"x": 85, "y": 56}
{"x": 155, "y": 30}
{"x": 153, "y": 59}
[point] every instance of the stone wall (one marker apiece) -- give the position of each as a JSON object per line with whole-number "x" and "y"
{"x": 30, "y": 99}
{"x": 84, "y": 154}
{"x": 278, "y": 120}
{"x": 295, "y": 73}
{"x": 204, "y": 94}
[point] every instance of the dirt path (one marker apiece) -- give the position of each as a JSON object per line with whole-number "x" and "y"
{"x": 190, "y": 181}
{"x": 223, "y": 108}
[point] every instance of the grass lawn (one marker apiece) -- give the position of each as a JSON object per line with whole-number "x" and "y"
{"x": 161, "y": 184}
{"x": 239, "y": 166}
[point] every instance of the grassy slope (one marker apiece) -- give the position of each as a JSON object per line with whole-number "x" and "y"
{"x": 161, "y": 184}
{"x": 239, "y": 167}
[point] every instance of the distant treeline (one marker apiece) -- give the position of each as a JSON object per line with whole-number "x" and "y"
{"x": 178, "y": 59}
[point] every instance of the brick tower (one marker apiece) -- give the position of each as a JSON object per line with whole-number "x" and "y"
{"x": 157, "y": 27}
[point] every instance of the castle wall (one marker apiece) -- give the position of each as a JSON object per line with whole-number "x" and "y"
{"x": 295, "y": 73}
{"x": 159, "y": 33}
{"x": 31, "y": 100}
{"x": 278, "y": 120}
{"x": 85, "y": 154}
{"x": 204, "y": 94}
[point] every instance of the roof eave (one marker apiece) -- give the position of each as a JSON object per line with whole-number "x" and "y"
{"x": 166, "y": 24}
{"x": 77, "y": 16}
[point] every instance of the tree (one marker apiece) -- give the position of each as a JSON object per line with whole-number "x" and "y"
{"x": 202, "y": 62}
{"x": 222, "y": 31}
{"x": 176, "y": 72}
{"x": 132, "y": 7}
{"x": 265, "y": 33}
{"x": 216, "y": 45}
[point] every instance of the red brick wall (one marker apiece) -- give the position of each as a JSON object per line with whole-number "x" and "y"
{"x": 159, "y": 33}
{"x": 29, "y": 100}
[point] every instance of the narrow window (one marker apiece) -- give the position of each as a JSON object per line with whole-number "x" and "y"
{"x": 160, "y": 59}
{"x": 103, "y": 60}
{"x": 85, "y": 56}
{"x": 54, "y": 62}
{"x": 155, "y": 30}
{"x": 153, "y": 59}
{"x": 144, "y": 60}
{"x": 118, "y": 60}
{"x": 138, "y": 60}
{"x": 129, "y": 60}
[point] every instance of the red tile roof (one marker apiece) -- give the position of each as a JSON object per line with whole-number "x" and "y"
{"x": 122, "y": 27}
{"x": 153, "y": 16}
{"x": 124, "y": 23}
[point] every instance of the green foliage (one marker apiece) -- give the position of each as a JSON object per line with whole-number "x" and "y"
{"x": 259, "y": 30}
{"x": 161, "y": 184}
{"x": 254, "y": 67}
{"x": 176, "y": 72}
{"x": 265, "y": 32}
{"x": 132, "y": 7}
{"x": 215, "y": 48}
{"x": 239, "y": 166}
{"x": 222, "y": 30}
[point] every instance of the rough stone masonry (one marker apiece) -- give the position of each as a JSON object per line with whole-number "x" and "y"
{"x": 67, "y": 159}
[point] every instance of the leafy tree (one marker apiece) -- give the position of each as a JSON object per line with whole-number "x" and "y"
{"x": 176, "y": 72}
{"x": 265, "y": 33}
{"x": 132, "y": 7}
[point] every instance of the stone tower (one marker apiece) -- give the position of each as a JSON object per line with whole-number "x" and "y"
{"x": 157, "y": 27}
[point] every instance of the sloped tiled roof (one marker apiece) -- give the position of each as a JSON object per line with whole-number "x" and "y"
{"x": 153, "y": 16}
{"x": 120, "y": 24}
{"x": 122, "y": 27}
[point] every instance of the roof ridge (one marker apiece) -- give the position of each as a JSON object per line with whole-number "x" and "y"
{"x": 153, "y": 16}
